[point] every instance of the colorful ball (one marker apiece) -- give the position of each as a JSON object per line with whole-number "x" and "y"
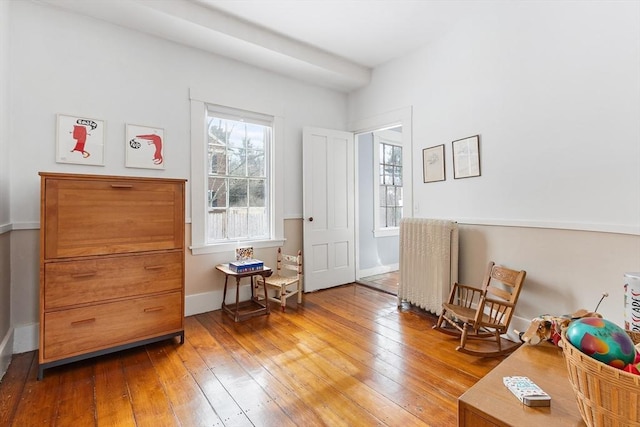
{"x": 603, "y": 340}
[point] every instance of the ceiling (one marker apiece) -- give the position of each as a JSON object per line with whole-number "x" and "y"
{"x": 333, "y": 43}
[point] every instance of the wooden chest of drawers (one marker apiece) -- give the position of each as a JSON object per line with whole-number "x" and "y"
{"x": 111, "y": 264}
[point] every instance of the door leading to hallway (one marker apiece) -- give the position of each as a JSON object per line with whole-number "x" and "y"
{"x": 329, "y": 208}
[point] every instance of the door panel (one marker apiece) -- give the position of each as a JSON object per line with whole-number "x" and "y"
{"x": 329, "y": 210}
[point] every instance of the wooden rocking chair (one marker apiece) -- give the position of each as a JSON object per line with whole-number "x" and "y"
{"x": 483, "y": 313}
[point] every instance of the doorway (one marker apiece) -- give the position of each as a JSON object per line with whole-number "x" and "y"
{"x": 380, "y": 203}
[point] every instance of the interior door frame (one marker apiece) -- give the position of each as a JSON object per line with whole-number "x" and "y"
{"x": 400, "y": 117}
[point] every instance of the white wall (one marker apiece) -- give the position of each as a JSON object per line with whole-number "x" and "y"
{"x": 6, "y": 332}
{"x": 553, "y": 89}
{"x": 65, "y": 63}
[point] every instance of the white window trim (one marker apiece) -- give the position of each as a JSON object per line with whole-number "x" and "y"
{"x": 198, "y": 183}
{"x": 392, "y": 138}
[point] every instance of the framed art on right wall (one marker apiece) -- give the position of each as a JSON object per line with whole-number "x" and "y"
{"x": 466, "y": 157}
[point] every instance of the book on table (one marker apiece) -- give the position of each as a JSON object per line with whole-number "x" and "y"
{"x": 247, "y": 265}
{"x": 527, "y": 391}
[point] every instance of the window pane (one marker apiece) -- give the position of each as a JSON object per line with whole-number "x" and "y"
{"x": 390, "y": 217}
{"x": 388, "y": 175}
{"x": 397, "y": 175}
{"x": 398, "y": 216}
{"x": 216, "y": 225}
{"x": 217, "y": 194}
{"x": 382, "y": 217}
{"x": 399, "y": 194}
{"x": 237, "y": 134}
{"x": 256, "y": 136}
{"x": 388, "y": 154}
{"x": 397, "y": 155}
{"x": 255, "y": 163}
{"x": 217, "y": 160}
{"x": 258, "y": 223}
{"x": 391, "y": 196}
{"x": 257, "y": 192}
{"x": 238, "y": 193}
{"x": 238, "y": 223}
{"x": 237, "y": 162}
{"x": 382, "y": 195}
{"x": 216, "y": 131}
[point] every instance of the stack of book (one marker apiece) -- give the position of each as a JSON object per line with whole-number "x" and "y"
{"x": 246, "y": 265}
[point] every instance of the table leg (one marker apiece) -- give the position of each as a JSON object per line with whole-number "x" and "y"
{"x": 237, "y": 317}
{"x": 224, "y": 293}
{"x": 266, "y": 299}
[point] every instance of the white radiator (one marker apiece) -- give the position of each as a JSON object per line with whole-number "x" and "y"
{"x": 428, "y": 261}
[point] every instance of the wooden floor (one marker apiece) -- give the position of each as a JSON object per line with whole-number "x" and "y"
{"x": 385, "y": 282}
{"x": 347, "y": 357}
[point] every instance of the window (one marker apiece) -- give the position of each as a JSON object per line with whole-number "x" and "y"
{"x": 236, "y": 186}
{"x": 388, "y": 182}
{"x": 390, "y": 179}
{"x": 238, "y": 176}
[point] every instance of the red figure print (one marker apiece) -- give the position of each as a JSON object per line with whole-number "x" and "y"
{"x": 157, "y": 141}
{"x": 80, "y": 135}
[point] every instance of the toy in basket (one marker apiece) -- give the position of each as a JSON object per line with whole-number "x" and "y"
{"x": 607, "y": 396}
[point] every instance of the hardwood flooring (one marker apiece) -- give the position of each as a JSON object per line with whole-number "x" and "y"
{"x": 385, "y": 282}
{"x": 347, "y": 357}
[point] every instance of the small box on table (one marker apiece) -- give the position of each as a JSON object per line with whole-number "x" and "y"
{"x": 246, "y": 265}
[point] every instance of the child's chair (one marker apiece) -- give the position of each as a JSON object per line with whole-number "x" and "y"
{"x": 285, "y": 285}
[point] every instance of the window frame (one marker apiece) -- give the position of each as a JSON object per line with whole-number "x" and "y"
{"x": 200, "y": 104}
{"x": 388, "y": 137}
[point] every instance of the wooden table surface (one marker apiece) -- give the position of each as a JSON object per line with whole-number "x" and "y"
{"x": 490, "y": 403}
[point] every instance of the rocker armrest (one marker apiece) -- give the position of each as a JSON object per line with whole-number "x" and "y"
{"x": 466, "y": 295}
{"x": 471, "y": 288}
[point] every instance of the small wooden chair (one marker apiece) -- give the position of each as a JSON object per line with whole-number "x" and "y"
{"x": 285, "y": 285}
{"x": 482, "y": 313}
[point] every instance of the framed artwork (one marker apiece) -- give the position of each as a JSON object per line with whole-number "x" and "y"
{"x": 466, "y": 157}
{"x": 79, "y": 140}
{"x": 433, "y": 164}
{"x": 144, "y": 147}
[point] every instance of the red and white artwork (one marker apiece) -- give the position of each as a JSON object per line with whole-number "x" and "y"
{"x": 144, "y": 147}
{"x": 80, "y": 140}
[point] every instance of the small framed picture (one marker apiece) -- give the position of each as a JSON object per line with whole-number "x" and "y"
{"x": 433, "y": 164}
{"x": 466, "y": 157}
{"x": 144, "y": 147}
{"x": 80, "y": 140}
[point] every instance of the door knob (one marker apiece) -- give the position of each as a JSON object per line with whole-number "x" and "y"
{"x": 311, "y": 219}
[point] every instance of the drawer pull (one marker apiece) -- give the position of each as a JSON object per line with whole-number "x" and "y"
{"x": 82, "y": 275}
{"x": 152, "y": 309}
{"x": 121, "y": 186}
{"x": 153, "y": 267}
{"x": 83, "y": 322}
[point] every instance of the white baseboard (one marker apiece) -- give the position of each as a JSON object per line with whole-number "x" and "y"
{"x": 210, "y": 301}
{"x": 26, "y": 338}
{"x": 6, "y": 350}
{"x": 378, "y": 270}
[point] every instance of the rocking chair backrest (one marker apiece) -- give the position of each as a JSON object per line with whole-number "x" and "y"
{"x": 501, "y": 292}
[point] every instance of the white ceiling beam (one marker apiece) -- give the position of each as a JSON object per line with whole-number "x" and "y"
{"x": 189, "y": 23}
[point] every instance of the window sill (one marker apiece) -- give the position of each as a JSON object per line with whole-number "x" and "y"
{"x": 387, "y": 232}
{"x": 230, "y": 247}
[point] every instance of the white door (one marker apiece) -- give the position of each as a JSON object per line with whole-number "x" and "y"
{"x": 329, "y": 208}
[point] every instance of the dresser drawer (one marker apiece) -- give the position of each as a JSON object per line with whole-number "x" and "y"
{"x": 109, "y": 215}
{"x": 80, "y": 330}
{"x": 69, "y": 283}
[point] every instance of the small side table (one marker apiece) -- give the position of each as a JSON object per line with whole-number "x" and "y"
{"x": 245, "y": 309}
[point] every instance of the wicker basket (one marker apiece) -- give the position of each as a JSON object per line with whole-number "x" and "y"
{"x": 607, "y": 397}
